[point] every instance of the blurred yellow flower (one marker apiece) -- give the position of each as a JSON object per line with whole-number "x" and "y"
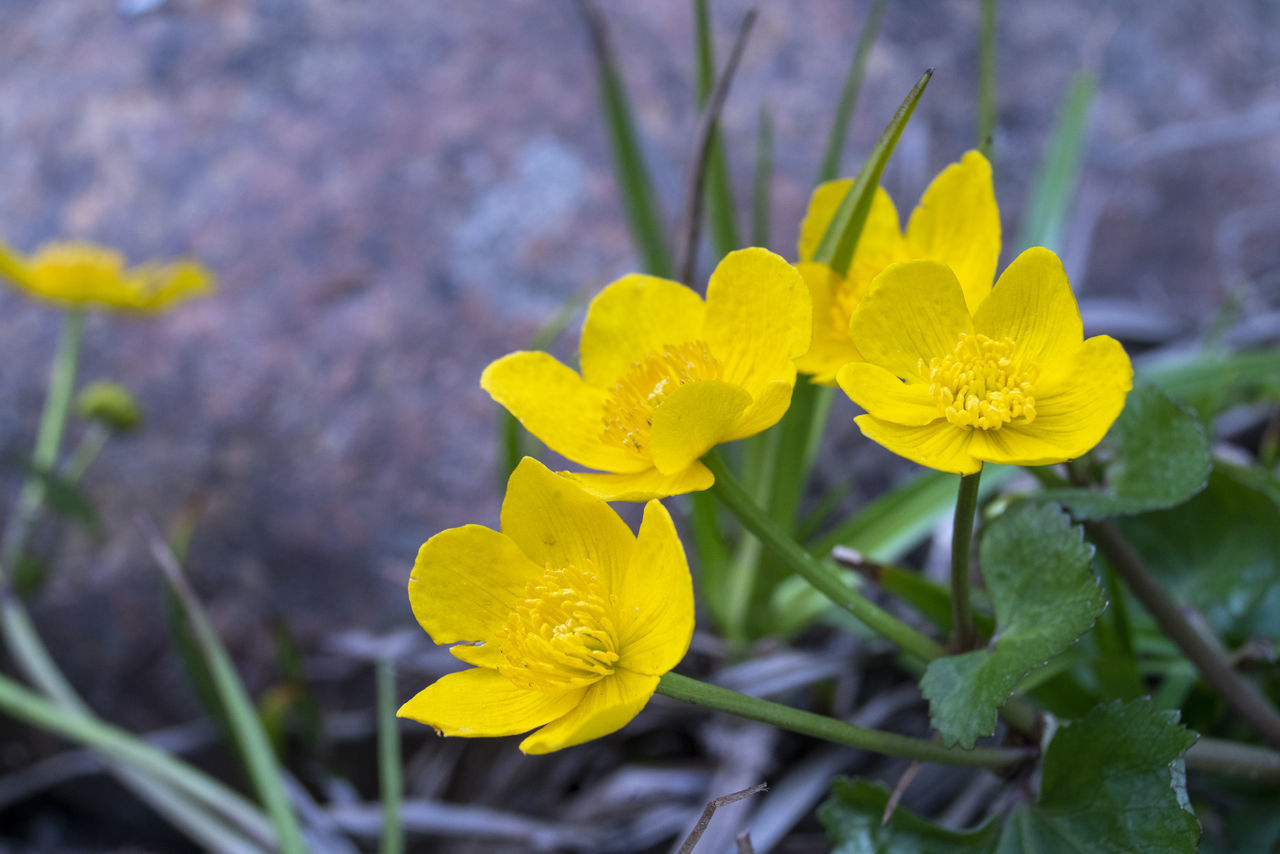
{"x": 1012, "y": 382}
{"x": 569, "y": 618}
{"x": 85, "y": 275}
{"x": 956, "y": 223}
{"x": 665, "y": 376}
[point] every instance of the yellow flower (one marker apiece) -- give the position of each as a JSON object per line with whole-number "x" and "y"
{"x": 665, "y": 376}
{"x": 956, "y": 223}
{"x": 89, "y": 276}
{"x": 1012, "y": 382}
{"x": 575, "y": 616}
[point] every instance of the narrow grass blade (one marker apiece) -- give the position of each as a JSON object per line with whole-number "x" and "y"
{"x": 247, "y": 728}
{"x": 762, "y": 196}
{"x": 837, "y": 245}
{"x": 123, "y": 747}
{"x": 720, "y": 206}
{"x": 893, "y": 524}
{"x": 633, "y": 176}
{"x": 389, "y": 770}
{"x": 987, "y": 79}
{"x": 849, "y": 93}
{"x": 1055, "y": 183}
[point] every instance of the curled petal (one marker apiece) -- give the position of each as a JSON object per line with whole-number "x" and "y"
{"x": 655, "y": 598}
{"x": 886, "y": 397}
{"x": 693, "y": 419}
{"x": 643, "y": 485}
{"x": 607, "y": 706}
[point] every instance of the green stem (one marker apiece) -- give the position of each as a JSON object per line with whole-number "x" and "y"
{"x": 837, "y": 731}
{"x": 987, "y": 79}
{"x": 963, "y": 635}
{"x": 1234, "y": 759}
{"x": 820, "y": 574}
{"x": 389, "y": 761}
{"x": 53, "y": 422}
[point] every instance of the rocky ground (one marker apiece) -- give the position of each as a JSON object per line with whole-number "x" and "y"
{"x": 393, "y": 194}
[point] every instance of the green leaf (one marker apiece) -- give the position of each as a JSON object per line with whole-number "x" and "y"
{"x": 1212, "y": 381}
{"x": 849, "y": 93}
{"x": 62, "y": 495}
{"x": 1156, "y": 455}
{"x": 1113, "y": 783}
{"x": 1219, "y": 552}
{"x": 899, "y": 520}
{"x": 1055, "y": 183}
{"x": 841, "y": 237}
{"x": 633, "y": 176}
{"x": 1036, "y": 567}
{"x": 853, "y": 820}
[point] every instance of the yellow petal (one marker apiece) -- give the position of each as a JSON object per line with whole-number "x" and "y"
{"x": 886, "y": 397}
{"x": 881, "y": 235}
{"x": 465, "y": 583}
{"x": 766, "y": 410}
{"x": 880, "y": 244}
{"x": 1032, "y": 303}
{"x": 481, "y": 702}
{"x": 914, "y": 310}
{"x": 556, "y": 523}
{"x": 607, "y": 707}
{"x": 655, "y": 598}
{"x": 13, "y": 265}
{"x": 832, "y": 347}
{"x": 958, "y": 223}
{"x": 759, "y": 317}
{"x": 635, "y": 316}
{"x": 643, "y": 485}
{"x": 692, "y": 420}
{"x": 481, "y": 655}
{"x": 1071, "y": 419}
{"x": 554, "y": 404}
{"x": 940, "y": 445}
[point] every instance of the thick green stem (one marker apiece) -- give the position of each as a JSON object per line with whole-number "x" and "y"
{"x": 837, "y": 731}
{"x": 963, "y": 636}
{"x": 1234, "y": 759}
{"x": 820, "y": 574}
{"x": 1204, "y": 650}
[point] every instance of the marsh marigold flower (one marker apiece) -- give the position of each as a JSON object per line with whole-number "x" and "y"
{"x": 956, "y": 223}
{"x": 1013, "y": 381}
{"x": 569, "y": 618}
{"x": 85, "y": 275}
{"x": 665, "y": 375}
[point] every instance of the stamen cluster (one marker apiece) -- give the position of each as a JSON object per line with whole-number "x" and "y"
{"x": 981, "y": 385}
{"x": 563, "y": 634}
{"x": 628, "y": 413}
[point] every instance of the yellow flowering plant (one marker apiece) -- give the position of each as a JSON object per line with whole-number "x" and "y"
{"x": 1012, "y": 380}
{"x": 568, "y": 617}
{"x": 666, "y": 376}
{"x": 956, "y": 223}
{"x": 85, "y": 275}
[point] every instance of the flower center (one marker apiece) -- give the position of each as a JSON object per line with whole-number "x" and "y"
{"x": 980, "y": 384}
{"x": 562, "y": 635}
{"x": 628, "y": 413}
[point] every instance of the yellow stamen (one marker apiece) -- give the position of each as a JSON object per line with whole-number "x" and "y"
{"x": 981, "y": 385}
{"x": 563, "y": 634}
{"x": 628, "y": 413}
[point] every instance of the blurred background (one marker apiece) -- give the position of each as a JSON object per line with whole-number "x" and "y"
{"x": 393, "y": 194}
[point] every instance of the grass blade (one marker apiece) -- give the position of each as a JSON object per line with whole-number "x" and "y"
{"x": 849, "y": 94}
{"x": 389, "y": 770}
{"x": 837, "y": 245}
{"x": 893, "y": 524}
{"x": 761, "y": 196}
{"x": 1055, "y": 183}
{"x": 720, "y": 207}
{"x": 633, "y": 178}
{"x": 987, "y": 79}
{"x": 124, "y": 748}
{"x": 251, "y": 737}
